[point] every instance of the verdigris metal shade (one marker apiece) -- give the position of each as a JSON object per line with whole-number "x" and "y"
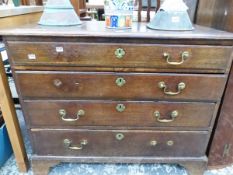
{"x": 59, "y": 13}
{"x": 172, "y": 15}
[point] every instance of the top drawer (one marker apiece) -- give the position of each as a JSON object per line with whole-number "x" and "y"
{"x": 148, "y": 56}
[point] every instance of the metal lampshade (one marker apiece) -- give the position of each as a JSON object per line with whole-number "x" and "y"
{"x": 59, "y": 13}
{"x": 173, "y": 16}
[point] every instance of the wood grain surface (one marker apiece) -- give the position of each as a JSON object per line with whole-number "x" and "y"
{"x": 103, "y": 55}
{"x": 221, "y": 149}
{"x": 11, "y": 121}
{"x": 97, "y": 29}
{"x": 87, "y": 75}
{"x": 135, "y": 143}
{"x": 138, "y": 86}
{"x": 216, "y": 14}
{"x": 137, "y": 114}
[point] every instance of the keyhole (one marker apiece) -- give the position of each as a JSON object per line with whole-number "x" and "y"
{"x": 120, "y": 107}
{"x": 120, "y": 136}
{"x": 120, "y": 82}
{"x": 119, "y": 53}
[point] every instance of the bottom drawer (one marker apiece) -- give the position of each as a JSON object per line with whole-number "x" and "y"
{"x": 119, "y": 143}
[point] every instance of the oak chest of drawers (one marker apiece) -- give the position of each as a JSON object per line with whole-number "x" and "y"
{"x": 90, "y": 94}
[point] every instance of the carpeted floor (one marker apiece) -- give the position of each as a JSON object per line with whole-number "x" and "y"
{"x": 10, "y": 167}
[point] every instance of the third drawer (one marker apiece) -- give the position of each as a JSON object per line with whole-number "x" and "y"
{"x": 64, "y": 113}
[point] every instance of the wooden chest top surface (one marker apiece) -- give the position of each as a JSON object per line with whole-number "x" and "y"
{"x": 98, "y": 29}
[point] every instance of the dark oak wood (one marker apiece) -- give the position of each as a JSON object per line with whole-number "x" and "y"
{"x": 139, "y": 30}
{"x": 217, "y": 14}
{"x": 194, "y": 165}
{"x": 223, "y": 15}
{"x": 147, "y": 8}
{"x": 103, "y": 55}
{"x": 205, "y": 12}
{"x": 116, "y": 69}
{"x": 95, "y": 85}
{"x": 139, "y": 10}
{"x": 120, "y": 40}
{"x": 104, "y": 113}
{"x": 84, "y": 74}
{"x": 134, "y": 143}
{"x": 221, "y": 149}
{"x": 40, "y": 167}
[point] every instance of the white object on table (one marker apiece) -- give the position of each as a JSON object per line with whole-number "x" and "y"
{"x": 10, "y": 10}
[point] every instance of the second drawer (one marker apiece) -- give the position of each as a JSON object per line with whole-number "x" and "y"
{"x": 127, "y": 86}
{"x": 118, "y": 113}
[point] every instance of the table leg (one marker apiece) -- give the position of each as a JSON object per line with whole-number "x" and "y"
{"x": 11, "y": 121}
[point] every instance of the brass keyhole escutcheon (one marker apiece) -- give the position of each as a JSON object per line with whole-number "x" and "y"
{"x": 170, "y": 143}
{"x": 120, "y": 136}
{"x": 120, "y": 107}
{"x": 119, "y": 53}
{"x": 120, "y": 82}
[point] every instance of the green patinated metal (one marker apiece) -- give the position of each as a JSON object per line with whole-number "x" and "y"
{"x": 59, "y": 13}
{"x": 172, "y": 15}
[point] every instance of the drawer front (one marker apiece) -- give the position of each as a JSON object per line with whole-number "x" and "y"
{"x": 119, "y": 143}
{"x": 121, "y": 55}
{"x": 119, "y": 86}
{"x": 62, "y": 114}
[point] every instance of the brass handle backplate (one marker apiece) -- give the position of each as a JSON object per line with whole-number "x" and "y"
{"x": 181, "y": 86}
{"x": 63, "y": 113}
{"x": 184, "y": 55}
{"x": 119, "y": 53}
{"x": 68, "y": 144}
{"x": 120, "y": 107}
{"x": 153, "y": 143}
{"x": 57, "y": 83}
{"x": 173, "y": 116}
{"x": 120, "y": 81}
